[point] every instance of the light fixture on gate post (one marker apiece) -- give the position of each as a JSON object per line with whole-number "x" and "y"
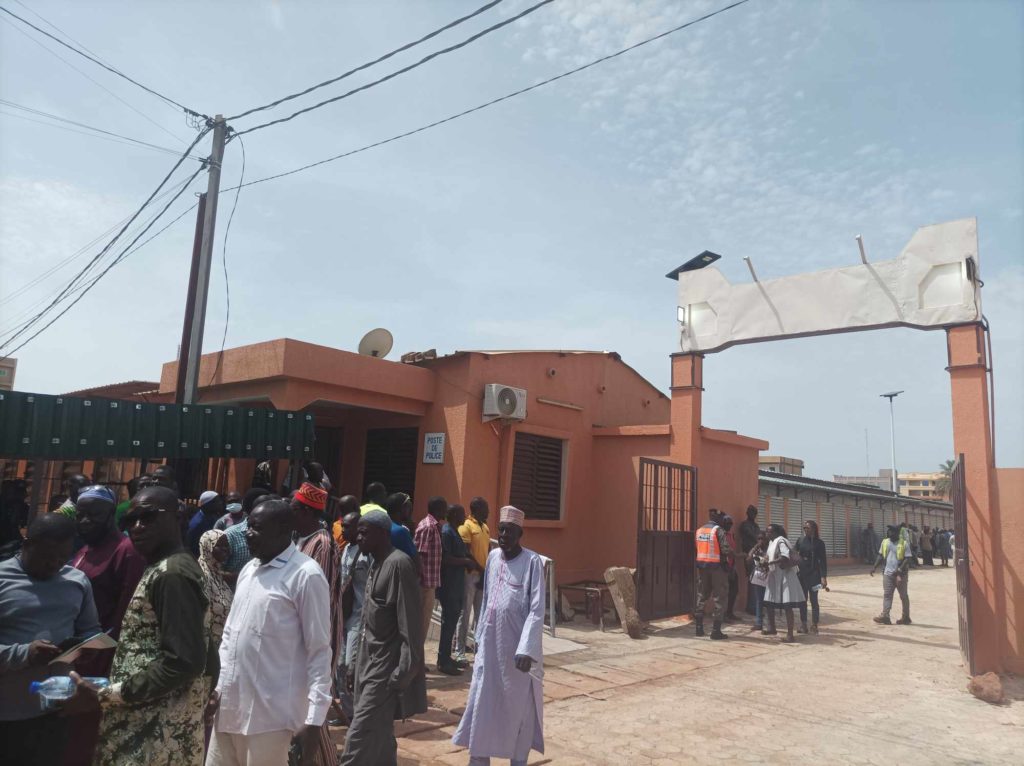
{"x": 892, "y": 433}
{"x": 697, "y": 262}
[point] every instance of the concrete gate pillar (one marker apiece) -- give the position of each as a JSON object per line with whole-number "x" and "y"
{"x": 685, "y": 418}
{"x": 972, "y": 437}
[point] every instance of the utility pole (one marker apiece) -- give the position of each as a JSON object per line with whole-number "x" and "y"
{"x": 202, "y": 286}
{"x": 892, "y": 431}
{"x": 190, "y": 302}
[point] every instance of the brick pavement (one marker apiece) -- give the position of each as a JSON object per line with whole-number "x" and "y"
{"x": 859, "y": 693}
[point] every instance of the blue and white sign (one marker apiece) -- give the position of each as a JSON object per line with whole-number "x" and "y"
{"x": 433, "y": 448}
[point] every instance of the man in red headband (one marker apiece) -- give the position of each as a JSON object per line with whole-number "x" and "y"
{"x": 308, "y": 504}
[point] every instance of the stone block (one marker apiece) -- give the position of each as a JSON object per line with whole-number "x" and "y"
{"x": 623, "y": 590}
{"x": 987, "y": 688}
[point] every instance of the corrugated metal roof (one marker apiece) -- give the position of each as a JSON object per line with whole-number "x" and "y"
{"x": 806, "y": 482}
{"x": 115, "y": 389}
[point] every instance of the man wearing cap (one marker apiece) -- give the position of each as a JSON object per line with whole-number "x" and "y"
{"x": 153, "y": 708}
{"x": 114, "y": 568}
{"x": 211, "y": 508}
{"x": 388, "y": 681}
{"x": 315, "y": 541}
{"x": 504, "y": 713}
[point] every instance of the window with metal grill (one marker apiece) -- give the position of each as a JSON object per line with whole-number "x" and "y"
{"x": 391, "y": 458}
{"x": 536, "y": 487}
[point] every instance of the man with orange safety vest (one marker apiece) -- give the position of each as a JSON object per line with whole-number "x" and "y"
{"x": 713, "y": 552}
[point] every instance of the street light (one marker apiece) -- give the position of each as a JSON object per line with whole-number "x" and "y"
{"x": 892, "y": 431}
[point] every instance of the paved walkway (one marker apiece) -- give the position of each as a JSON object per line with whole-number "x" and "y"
{"x": 859, "y": 693}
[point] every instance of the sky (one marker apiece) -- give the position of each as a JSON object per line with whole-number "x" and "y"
{"x": 777, "y": 131}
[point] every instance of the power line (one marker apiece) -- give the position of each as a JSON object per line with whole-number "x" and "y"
{"x": 49, "y": 116}
{"x": 58, "y": 29}
{"x": 13, "y": 295}
{"x": 405, "y": 69}
{"x": 124, "y": 254}
{"x": 224, "y": 262}
{"x": 29, "y": 314}
{"x": 96, "y": 61}
{"x": 116, "y": 237}
{"x": 492, "y": 102}
{"x": 91, "y": 79}
{"x": 369, "y": 64}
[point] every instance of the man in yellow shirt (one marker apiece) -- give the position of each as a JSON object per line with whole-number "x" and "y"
{"x": 477, "y": 537}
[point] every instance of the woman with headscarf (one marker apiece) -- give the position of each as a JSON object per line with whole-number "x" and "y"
{"x": 213, "y": 552}
{"x": 783, "y": 588}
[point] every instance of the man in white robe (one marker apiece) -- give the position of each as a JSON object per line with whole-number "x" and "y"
{"x": 504, "y": 713}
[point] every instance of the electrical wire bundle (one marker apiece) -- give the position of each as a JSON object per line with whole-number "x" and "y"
{"x": 13, "y": 338}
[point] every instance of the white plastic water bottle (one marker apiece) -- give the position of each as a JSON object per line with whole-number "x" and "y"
{"x": 57, "y": 689}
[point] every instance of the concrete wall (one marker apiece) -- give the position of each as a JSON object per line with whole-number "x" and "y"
{"x": 600, "y": 482}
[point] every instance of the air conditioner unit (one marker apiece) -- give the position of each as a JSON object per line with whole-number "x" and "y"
{"x": 505, "y": 402}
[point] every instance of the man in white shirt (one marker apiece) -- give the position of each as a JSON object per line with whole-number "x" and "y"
{"x": 275, "y": 656}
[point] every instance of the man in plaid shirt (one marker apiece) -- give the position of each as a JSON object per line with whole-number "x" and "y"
{"x": 428, "y": 545}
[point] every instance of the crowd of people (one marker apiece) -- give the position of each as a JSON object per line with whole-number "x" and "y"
{"x": 247, "y": 628}
{"x": 786, "y": 576}
{"x": 926, "y": 543}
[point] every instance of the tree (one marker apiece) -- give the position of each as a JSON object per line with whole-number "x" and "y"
{"x": 943, "y": 485}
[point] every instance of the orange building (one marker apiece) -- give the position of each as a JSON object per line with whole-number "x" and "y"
{"x": 589, "y": 455}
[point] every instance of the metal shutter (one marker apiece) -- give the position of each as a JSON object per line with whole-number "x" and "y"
{"x": 842, "y": 546}
{"x": 826, "y": 526}
{"x": 536, "y": 486}
{"x": 775, "y": 510}
{"x": 391, "y": 458}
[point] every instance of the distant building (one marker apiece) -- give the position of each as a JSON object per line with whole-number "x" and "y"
{"x": 8, "y": 367}
{"x": 920, "y": 484}
{"x": 776, "y": 464}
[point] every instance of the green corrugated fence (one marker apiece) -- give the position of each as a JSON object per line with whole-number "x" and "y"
{"x": 71, "y": 427}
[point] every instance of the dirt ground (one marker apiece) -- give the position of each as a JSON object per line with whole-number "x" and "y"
{"x": 858, "y": 693}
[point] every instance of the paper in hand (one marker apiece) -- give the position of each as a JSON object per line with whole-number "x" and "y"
{"x": 99, "y": 641}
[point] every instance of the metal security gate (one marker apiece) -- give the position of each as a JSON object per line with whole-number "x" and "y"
{"x": 962, "y": 561}
{"x": 667, "y": 518}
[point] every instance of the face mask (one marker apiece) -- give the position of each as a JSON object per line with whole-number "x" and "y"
{"x": 234, "y": 507}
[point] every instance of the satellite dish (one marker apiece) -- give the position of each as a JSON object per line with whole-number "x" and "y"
{"x": 376, "y": 343}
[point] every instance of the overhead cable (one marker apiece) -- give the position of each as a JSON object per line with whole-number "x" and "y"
{"x": 369, "y": 64}
{"x": 21, "y": 290}
{"x": 403, "y": 70}
{"x": 224, "y": 263}
{"x": 123, "y": 138}
{"x": 96, "y": 61}
{"x": 492, "y": 102}
{"x": 113, "y": 241}
{"x": 124, "y": 254}
{"x": 88, "y": 77}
